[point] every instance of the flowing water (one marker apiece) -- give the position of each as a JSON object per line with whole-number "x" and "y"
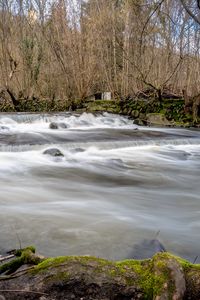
{"x": 116, "y": 185}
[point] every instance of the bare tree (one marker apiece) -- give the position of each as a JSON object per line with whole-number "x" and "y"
{"x": 66, "y": 49}
{"x": 193, "y": 13}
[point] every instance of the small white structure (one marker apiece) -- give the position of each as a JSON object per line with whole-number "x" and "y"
{"x": 106, "y": 96}
{"x": 100, "y": 96}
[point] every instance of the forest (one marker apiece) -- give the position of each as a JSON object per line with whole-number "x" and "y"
{"x": 67, "y": 49}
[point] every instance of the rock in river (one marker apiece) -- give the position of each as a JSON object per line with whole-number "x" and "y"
{"x": 55, "y": 125}
{"x": 77, "y": 150}
{"x": 53, "y": 152}
{"x": 4, "y": 127}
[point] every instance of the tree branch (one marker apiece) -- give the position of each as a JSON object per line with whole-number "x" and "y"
{"x": 192, "y": 15}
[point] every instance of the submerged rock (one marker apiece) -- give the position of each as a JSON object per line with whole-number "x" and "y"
{"x": 139, "y": 122}
{"x": 63, "y": 125}
{"x": 77, "y": 150}
{"x": 157, "y": 119}
{"x": 53, "y": 152}
{"x": 55, "y": 125}
{"x": 115, "y": 162}
{"x": 2, "y": 127}
{"x": 84, "y": 123}
{"x": 147, "y": 248}
{"x": 177, "y": 154}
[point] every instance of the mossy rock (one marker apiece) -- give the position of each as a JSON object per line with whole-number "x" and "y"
{"x": 23, "y": 256}
{"x": 135, "y": 113}
{"x": 83, "y": 277}
{"x": 158, "y": 119}
{"x": 110, "y": 106}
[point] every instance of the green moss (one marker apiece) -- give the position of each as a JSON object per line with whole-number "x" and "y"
{"x": 145, "y": 278}
{"x": 49, "y": 263}
{"x": 11, "y": 266}
{"x": 57, "y": 261}
{"x": 154, "y": 274}
{"x": 172, "y": 109}
{"x": 185, "y": 264}
{"x": 19, "y": 252}
{"x": 162, "y": 277}
{"x": 151, "y": 276}
{"x": 104, "y": 102}
{"x": 133, "y": 272}
{"x": 111, "y": 106}
{"x": 23, "y": 256}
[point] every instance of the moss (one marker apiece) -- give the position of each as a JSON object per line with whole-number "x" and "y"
{"x": 162, "y": 277}
{"x": 19, "y": 252}
{"x": 172, "y": 109}
{"x": 153, "y": 277}
{"x": 145, "y": 278}
{"x": 185, "y": 264}
{"x": 57, "y": 261}
{"x": 111, "y": 106}
{"x": 90, "y": 267}
{"x": 11, "y": 266}
{"x": 104, "y": 102}
{"x": 23, "y": 256}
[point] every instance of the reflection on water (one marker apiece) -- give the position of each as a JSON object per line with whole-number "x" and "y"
{"x": 114, "y": 187}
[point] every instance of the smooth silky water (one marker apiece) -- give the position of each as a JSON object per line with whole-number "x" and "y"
{"x": 116, "y": 185}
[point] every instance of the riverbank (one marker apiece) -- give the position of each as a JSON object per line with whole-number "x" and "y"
{"x": 164, "y": 276}
{"x": 169, "y": 112}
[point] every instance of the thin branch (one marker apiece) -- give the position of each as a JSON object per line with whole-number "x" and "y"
{"x": 194, "y": 17}
{"x": 148, "y": 20}
{"x": 6, "y": 257}
{"x": 173, "y": 72}
{"x": 195, "y": 259}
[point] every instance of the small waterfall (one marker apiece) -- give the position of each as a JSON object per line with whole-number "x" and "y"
{"x": 107, "y": 145}
{"x": 72, "y": 120}
{"x": 31, "y": 117}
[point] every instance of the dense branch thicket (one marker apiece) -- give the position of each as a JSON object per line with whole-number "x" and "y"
{"x": 59, "y": 50}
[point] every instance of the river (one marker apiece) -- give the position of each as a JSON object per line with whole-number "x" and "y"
{"x": 116, "y": 185}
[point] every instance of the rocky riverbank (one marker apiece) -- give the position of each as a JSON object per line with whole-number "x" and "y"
{"x": 164, "y": 276}
{"x": 148, "y": 112}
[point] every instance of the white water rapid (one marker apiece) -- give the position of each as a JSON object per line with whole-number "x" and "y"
{"x": 116, "y": 185}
